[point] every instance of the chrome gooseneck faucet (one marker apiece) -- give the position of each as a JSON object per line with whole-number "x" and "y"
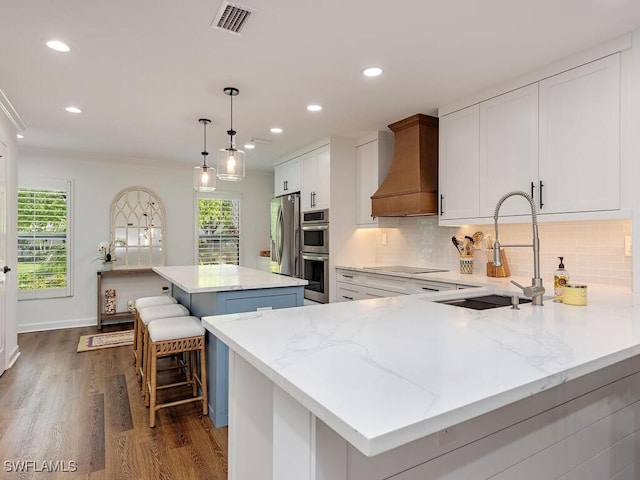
{"x": 536, "y": 290}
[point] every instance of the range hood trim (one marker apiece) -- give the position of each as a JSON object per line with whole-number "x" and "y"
{"x": 411, "y": 185}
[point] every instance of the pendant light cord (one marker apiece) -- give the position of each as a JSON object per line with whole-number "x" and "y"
{"x": 204, "y": 122}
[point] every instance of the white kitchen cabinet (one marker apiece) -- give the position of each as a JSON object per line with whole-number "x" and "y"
{"x": 357, "y": 285}
{"x": 346, "y": 292}
{"x": 508, "y": 149}
{"x": 315, "y": 179}
{"x": 354, "y": 285}
{"x": 373, "y": 159}
{"x": 288, "y": 177}
{"x": 424, "y": 286}
{"x": 580, "y": 138}
{"x": 458, "y": 164}
{"x": 557, "y": 139}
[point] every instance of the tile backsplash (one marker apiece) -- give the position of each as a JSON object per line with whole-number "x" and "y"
{"x": 593, "y": 251}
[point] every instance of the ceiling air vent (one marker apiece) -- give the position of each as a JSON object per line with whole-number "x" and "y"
{"x": 231, "y": 17}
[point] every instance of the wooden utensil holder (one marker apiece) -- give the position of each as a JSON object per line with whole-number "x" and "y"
{"x": 502, "y": 271}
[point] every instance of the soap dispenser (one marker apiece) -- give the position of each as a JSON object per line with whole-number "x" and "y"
{"x": 560, "y": 279}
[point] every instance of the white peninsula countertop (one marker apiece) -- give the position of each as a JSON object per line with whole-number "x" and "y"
{"x": 385, "y": 372}
{"x": 223, "y": 278}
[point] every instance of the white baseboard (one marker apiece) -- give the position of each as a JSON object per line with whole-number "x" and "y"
{"x": 42, "y": 326}
{"x": 13, "y": 357}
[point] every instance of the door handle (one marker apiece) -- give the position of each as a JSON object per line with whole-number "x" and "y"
{"x": 540, "y": 193}
{"x": 441, "y": 204}
{"x": 6, "y": 269}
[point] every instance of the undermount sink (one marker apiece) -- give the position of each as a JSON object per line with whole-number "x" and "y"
{"x": 483, "y": 302}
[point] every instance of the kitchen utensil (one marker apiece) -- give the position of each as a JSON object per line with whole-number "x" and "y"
{"x": 456, "y": 243}
{"x": 468, "y": 245}
{"x": 477, "y": 238}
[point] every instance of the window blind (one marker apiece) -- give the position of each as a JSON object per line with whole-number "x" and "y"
{"x": 42, "y": 239}
{"x": 219, "y": 231}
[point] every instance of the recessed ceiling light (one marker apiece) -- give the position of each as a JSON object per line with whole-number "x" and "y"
{"x": 276, "y": 130}
{"x": 20, "y": 136}
{"x": 58, "y": 46}
{"x": 73, "y": 110}
{"x": 314, "y": 108}
{"x": 372, "y": 71}
{"x": 249, "y": 146}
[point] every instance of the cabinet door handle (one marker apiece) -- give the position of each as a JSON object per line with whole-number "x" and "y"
{"x": 540, "y": 193}
{"x": 347, "y": 276}
{"x": 430, "y": 289}
{"x": 348, "y": 298}
{"x": 441, "y": 204}
{"x": 532, "y": 187}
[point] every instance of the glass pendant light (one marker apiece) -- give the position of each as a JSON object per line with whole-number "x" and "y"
{"x": 231, "y": 160}
{"x": 204, "y": 176}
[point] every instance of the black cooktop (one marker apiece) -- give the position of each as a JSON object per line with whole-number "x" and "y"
{"x": 405, "y": 269}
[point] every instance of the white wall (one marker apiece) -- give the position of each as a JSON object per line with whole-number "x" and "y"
{"x": 97, "y": 179}
{"x": 593, "y": 251}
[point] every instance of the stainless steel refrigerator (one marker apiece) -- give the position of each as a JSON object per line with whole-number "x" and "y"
{"x": 285, "y": 235}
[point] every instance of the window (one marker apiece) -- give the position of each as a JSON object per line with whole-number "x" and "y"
{"x": 43, "y": 240}
{"x": 218, "y": 229}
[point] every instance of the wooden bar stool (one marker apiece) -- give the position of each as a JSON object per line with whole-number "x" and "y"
{"x": 171, "y": 336}
{"x": 149, "y": 314}
{"x": 139, "y": 304}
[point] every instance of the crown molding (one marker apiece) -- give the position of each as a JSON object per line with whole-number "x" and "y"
{"x": 11, "y": 113}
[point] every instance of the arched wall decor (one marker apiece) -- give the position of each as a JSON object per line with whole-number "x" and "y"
{"x": 137, "y": 228}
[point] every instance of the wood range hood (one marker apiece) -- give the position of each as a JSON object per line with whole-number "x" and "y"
{"x": 411, "y": 185}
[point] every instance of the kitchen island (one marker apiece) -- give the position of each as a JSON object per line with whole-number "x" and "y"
{"x": 407, "y": 388}
{"x": 219, "y": 289}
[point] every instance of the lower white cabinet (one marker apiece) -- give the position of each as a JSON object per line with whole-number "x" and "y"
{"x": 347, "y": 292}
{"x": 356, "y": 285}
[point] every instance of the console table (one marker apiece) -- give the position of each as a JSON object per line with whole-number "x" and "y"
{"x": 120, "y": 272}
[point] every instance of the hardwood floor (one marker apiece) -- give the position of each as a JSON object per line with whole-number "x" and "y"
{"x": 85, "y": 412}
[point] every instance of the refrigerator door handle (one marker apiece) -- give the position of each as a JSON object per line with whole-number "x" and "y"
{"x": 280, "y": 239}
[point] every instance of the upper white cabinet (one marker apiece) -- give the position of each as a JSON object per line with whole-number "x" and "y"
{"x": 508, "y": 149}
{"x": 580, "y": 138}
{"x": 315, "y": 179}
{"x": 373, "y": 159}
{"x": 458, "y": 164}
{"x": 288, "y": 177}
{"x": 557, "y": 139}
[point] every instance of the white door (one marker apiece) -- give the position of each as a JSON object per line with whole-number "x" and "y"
{"x": 321, "y": 192}
{"x": 3, "y": 257}
{"x": 459, "y": 164}
{"x": 509, "y": 149}
{"x": 580, "y": 138}
{"x": 309, "y": 172}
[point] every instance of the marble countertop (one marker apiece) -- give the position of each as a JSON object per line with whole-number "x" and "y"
{"x": 223, "y": 278}
{"x": 385, "y": 372}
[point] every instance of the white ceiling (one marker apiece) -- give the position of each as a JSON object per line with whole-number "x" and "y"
{"x": 144, "y": 71}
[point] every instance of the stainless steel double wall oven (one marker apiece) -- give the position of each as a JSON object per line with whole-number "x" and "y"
{"x": 315, "y": 254}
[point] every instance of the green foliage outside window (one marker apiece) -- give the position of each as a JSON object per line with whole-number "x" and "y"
{"x": 219, "y": 231}
{"x": 42, "y": 234}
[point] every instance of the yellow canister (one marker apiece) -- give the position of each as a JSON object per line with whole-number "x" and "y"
{"x": 574, "y": 294}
